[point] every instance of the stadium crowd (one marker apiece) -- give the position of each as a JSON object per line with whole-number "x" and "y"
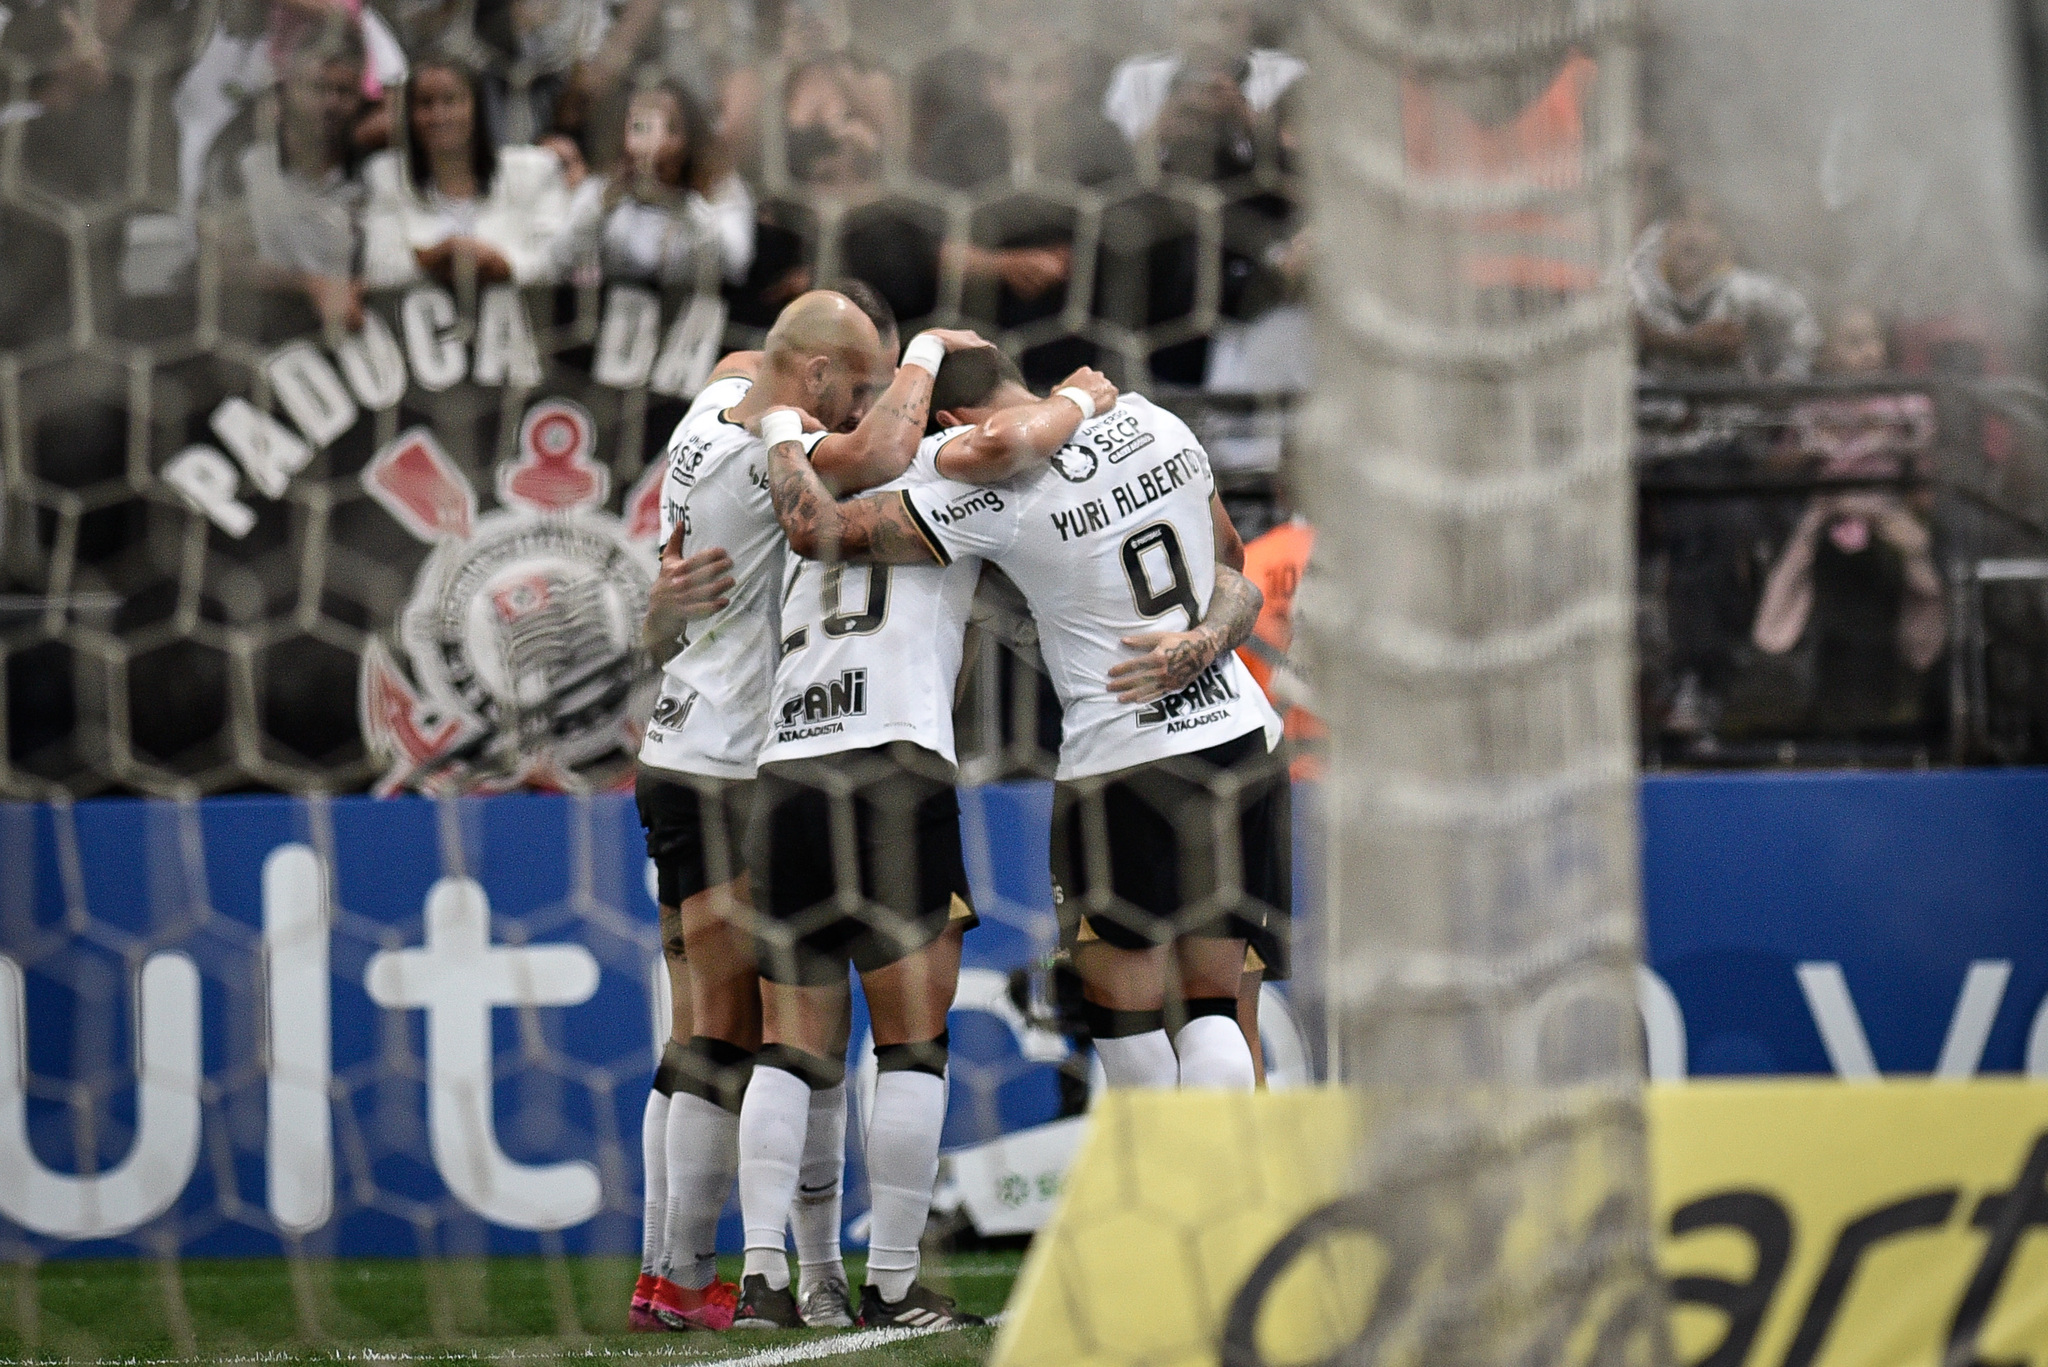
{"x": 263, "y": 171}
{"x": 749, "y": 148}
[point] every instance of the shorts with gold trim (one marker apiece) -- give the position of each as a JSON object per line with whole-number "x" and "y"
{"x": 696, "y": 835}
{"x": 1194, "y": 846}
{"x": 856, "y": 859}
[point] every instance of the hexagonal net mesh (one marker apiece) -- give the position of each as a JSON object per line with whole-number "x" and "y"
{"x": 297, "y": 500}
{"x": 216, "y": 335}
{"x": 299, "y": 506}
{"x": 1468, "y": 469}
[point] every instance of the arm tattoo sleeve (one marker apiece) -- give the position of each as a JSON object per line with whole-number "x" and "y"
{"x": 869, "y": 528}
{"x": 1233, "y": 608}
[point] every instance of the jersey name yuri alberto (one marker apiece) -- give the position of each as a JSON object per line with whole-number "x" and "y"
{"x": 1113, "y": 537}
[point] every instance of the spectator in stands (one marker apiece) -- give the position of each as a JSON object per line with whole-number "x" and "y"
{"x": 1262, "y": 345}
{"x": 1277, "y": 561}
{"x": 1869, "y": 435}
{"x": 839, "y": 110}
{"x": 1856, "y": 589}
{"x": 1200, "y": 105}
{"x": 539, "y": 47}
{"x": 452, "y": 202}
{"x": 673, "y": 212}
{"x": 300, "y": 189}
{"x": 1697, "y": 312}
{"x": 240, "y": 60}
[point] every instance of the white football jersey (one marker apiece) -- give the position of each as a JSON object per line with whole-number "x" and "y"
{"x": 712, "y": 714}
{"x": 871, "y": 653}
{"x": 1113, "y": 537}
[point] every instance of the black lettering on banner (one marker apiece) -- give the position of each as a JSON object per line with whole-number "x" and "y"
{"x": 866, "y": 622}
{"x": 1763, "y": 1219}
{"x": 1858, "y": 1237}
{"x": 1346, "y": 1215}
{"x": 2007, "y": 1215}
{"x": 1412, "y": 1272}
{"x": 1178, "y": 592}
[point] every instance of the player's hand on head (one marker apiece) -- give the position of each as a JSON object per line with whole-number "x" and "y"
{"x": 692, "y": 586}
{"x": 1170, "y": 662}
{"x": 959, "y": 339}
{"x": 1094, "y": 384}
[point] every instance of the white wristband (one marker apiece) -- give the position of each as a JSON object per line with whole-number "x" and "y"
{"x": 925, "y": 350}
{"x": 784, "y": 424}
{"x": 1080, "y": 400}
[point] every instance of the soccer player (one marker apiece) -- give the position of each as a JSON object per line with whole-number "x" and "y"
{"x": 697, "y": 765}
{"x": 855, "y": 854}
{"x": 1116, "y": 547}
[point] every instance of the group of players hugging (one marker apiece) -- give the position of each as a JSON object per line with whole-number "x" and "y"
{"x": 827, "y": 516}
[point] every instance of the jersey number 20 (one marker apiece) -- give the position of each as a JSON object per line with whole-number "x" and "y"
{"x": 869, "y": 619}
{"x": 1143, "y": 552}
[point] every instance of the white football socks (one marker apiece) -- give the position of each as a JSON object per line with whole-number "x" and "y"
{"x": 773, "y": 1121}
{"x": 654, "y": 1179}
{"x": 1145, "y": 1060}
{"x": 1213, "y": 1054}
{"x": 814, "y": 1219}
{"x": 903, "y": 1163}
{"x": 703, "y": 1155}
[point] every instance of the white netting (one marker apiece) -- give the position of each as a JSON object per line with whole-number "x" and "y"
{"x": 1470, "y": 620}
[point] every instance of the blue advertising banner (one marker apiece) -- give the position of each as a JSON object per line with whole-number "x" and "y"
{"x": 416, "y": 1027}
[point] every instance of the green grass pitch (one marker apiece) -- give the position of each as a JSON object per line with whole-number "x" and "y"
{"x": 509, "y": 1311}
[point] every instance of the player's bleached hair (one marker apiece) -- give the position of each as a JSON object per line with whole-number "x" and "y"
{"x": 969, "y": 379}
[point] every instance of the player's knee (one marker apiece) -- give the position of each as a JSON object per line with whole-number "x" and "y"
{"x": 669, "y": 1071}
{"x": 714, "y": 1069}
{"x": 921, "y": 1056}
{"x": 1106, "y": 1022}
{"x": 818, "y": 1073}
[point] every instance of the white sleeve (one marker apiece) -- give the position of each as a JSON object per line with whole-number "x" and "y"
{"x": 727, "y": 215}
{"x": 531, "y": 179}
{"x": 1136, "y": 94}
{"x": 958, "y": 519}
{"x": 387, "y": 246}
{"x": 386, "y": 54}
{"x": 719, "y": 394}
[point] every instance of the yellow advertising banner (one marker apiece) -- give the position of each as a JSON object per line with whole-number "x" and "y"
{"x": 1799, "y": 1224}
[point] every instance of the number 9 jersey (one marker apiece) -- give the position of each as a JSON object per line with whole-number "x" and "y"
{"x": 1113, "y": 538}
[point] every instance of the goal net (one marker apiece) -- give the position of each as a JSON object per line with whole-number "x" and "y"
{"x": 1470, "y": 622}
{"x": 294, "y": 519}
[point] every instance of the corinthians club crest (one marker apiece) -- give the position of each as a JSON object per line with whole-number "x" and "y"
{"x": 522, "y": 663}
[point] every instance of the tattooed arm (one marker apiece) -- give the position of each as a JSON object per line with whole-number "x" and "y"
{"x": 882, "y": 446}
{"x": 876, "y": 528}
{"x": 1172, "y": 659}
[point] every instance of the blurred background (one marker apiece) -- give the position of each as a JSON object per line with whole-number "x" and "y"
{"x": 337, "y": 338}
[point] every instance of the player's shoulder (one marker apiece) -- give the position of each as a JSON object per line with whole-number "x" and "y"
{"x": 705, "y": 433}
{"x": 721, "y": 394}
{"x": 925, "y": 464}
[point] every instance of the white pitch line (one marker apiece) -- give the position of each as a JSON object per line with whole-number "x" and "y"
{"x": 837, "y": 1346}
{"x": 857, "y": 1342}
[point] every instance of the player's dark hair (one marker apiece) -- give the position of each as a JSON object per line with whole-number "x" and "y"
{"x": 968, "y": 379}
{"x": 868, "y": 300}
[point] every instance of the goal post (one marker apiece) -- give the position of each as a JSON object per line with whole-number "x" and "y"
{"x": 1469, "y": 619}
